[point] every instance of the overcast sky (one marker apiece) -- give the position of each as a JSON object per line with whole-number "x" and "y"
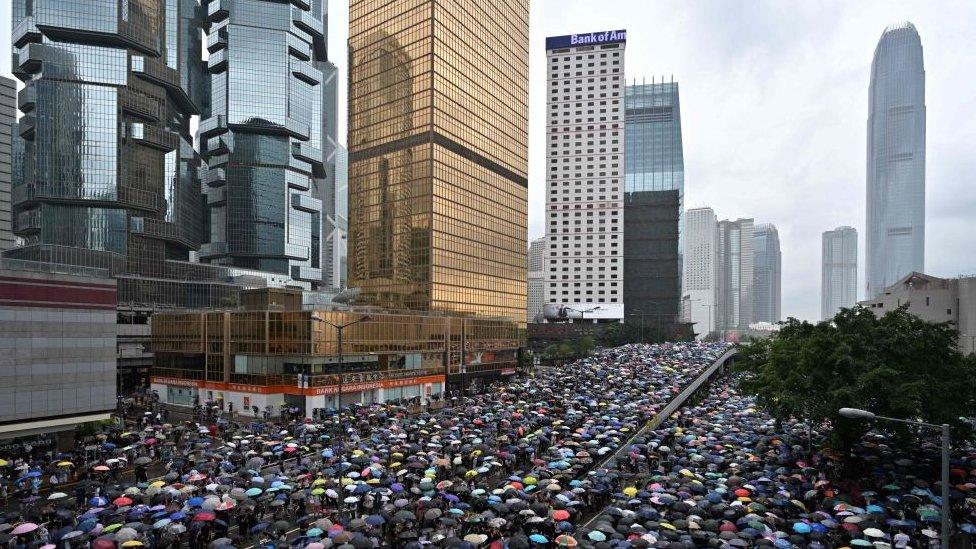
{"x": 774, "y": 109}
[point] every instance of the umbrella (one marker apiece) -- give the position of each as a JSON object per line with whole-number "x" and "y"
{"x": 24, "y": 528}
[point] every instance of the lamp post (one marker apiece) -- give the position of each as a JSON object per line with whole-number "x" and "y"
{"x": 855, "y": 413}
{"x": 339, "y": 328}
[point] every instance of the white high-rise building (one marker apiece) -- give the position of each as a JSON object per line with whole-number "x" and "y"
{"x": 699, "y": 271}
{"x": 839, "y": 271}
{"x": 585, "y": 175}
{"x": 536, "y": 283}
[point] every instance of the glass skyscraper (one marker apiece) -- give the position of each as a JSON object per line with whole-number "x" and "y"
{"x": 895, "y": 159}
{"x": 839, "y": 271}
{"x": 767, "y": 268}
{"x": 438, "y": 106}
{"x": 106, "y": 173}
{"x": 653, "y": 201}
{"x": 263, "y": 136}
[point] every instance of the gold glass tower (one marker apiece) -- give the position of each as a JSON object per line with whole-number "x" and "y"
{"x": 438, "y": 133}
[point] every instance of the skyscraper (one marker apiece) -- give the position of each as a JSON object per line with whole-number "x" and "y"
{"x": 438, "y": 106}
{"x": 895, "y": 159}
{"x": 264, "y": 136}
{"x": 107, "y": 175}
{"x": 838, "y": 271}
{"x": 700, "y": 275}
{"x": 536, "y": 286}
{"x": 8, "y": 122}
{"x": 653, "y": 201}
{"x": 337, "y": 224}
{"x": 585, "y": 135}
{"x": 735, "y": 275}
{"x": 767, "y": 274}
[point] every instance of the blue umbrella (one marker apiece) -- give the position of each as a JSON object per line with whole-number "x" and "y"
{"x": 539, "y": 538}
{"x": 375, "y": 520}
{"x": 251, "y": 492}
{"x": 98, "y": 501}
{"x": 597, "y": 535}
{"x": 314, "y": 532}
{"x": 195, "y": 502}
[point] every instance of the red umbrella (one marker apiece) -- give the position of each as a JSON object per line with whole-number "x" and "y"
{"x": 742, "y": 493}
{"x": 561, "y": 514}
{"x": 122, "y": 501}
{"x": 102, "y": 543}
{"x": 203, "y": 516}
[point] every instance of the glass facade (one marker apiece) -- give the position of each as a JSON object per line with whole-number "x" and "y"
{"x": 896, "y": 159}
{"x": 839, "y": 271}
{"x": 767, "y": 274}
{"x": 107, "y": 175}
{"x": 653, "y": 202}
{"x": 269, "y": 348}
{"x": 438, "y": 104}
{"x": 734, "y": 275}
{"x": 263, "y": 136}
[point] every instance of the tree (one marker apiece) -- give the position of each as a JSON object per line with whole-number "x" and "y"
{"x": 897, "y": 365}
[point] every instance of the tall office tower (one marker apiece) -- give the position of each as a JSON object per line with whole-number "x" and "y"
{"x": 337, "y": 224}
{"x": 839, "y": 271}
{"x": 438, "y": 106}
{"x": 263, "y": 137}
{"x": 8, "y": 122}
{"x": 735, "y": 282}
{"x": 585, "y": 134}
{"x": 767, "y": 274}
{"x": 653, "y": 202}
{"x": 329, "y": 193}
{"x": 108, "y": 176}
{"x": 699, "y": 275}
{"x": 896, "y": 159}
{"x": 536, "y": 286}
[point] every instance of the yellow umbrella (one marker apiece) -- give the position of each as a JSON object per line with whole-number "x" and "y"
{"x": 158, "y": 484}
{"x": 65, "y": 464}
{"x": 630, "y": 491}
{"x": 319, "y": 482}
{"x": 4, "y": 463}
{"x": 132, "y": 543}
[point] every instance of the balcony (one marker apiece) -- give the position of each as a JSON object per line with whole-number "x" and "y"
{"x": 213, "y": 125}
{"x": 298, "y": 47}
{"x": 154, "y": 70}
{"x": 26, "y": 126}
{"x": 217, "y": 62}
{"x": 216, "y": 177}
{"x": 306, "y": 274}
{"x": 217, "y": 40}
{"x": 217, "y": 10}
{"x": 216, "y": 196}
{"x": 29, "y": 57}
{"x": 301, "y": 4}
{"x": 296, "y": 251}
{"x": 213, "y": 249}
{"x": 305, "y": 72}
{"x": 27, "y": 99}
{"x": 220, "y": 144}
{"x": 298, "y": 181}
{"x": 139, "y": 105}
{"x": 305, "y": 151}
{"x": 25, "y": 31}
{"x": 152, "y": 136}
{"x": 305, "y": 203}
{"x": 27, "y": 222}
{"x": 305, "y": 21}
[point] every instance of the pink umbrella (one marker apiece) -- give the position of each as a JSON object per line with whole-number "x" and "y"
{"x": 150, "y": 441}
{"x": 24, "y": 528}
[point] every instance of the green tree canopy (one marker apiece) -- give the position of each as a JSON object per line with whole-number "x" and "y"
{"x": 897, "y": 365}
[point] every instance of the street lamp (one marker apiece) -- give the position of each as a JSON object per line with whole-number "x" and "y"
{"x": 856, "y": 413}
{"x": 339, "y": 328}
